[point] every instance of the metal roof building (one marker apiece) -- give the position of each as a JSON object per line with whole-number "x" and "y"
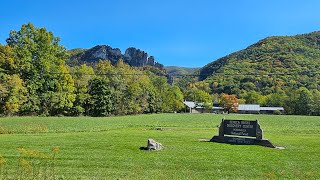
{"x": 249, "y": 107}
{"x": 255, "y": 109}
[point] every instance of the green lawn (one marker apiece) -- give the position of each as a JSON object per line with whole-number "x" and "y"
{"x": 108, "y": 148}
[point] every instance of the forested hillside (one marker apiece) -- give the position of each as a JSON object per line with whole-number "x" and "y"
{"x": 35, "y": 80}
{"x": 274, "y": 62}
{"x": 176, "y": 70}
{"x": 275, "y": 71}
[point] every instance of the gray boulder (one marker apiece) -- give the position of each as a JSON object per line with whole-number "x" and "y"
{"x": 153, "y": 145}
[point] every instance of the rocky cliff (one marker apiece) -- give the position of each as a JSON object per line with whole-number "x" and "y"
{"x": 132, "y": 56}
{"x": 136, "y": 57}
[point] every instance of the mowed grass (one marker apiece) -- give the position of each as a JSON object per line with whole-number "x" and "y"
{"x": 108, "y": 148}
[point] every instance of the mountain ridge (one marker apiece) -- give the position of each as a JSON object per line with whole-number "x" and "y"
{"x": 259, "y": 43}
{"x": 282, "y": 61}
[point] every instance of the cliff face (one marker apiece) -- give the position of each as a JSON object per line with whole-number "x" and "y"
{"x": 132, "y": 56}
{"x": 104, "y": 52}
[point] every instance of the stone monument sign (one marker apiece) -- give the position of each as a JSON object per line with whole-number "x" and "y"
{"x": 241, "y": 132}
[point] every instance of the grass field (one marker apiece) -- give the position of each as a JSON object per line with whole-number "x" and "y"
{"x": 108, "y": 148}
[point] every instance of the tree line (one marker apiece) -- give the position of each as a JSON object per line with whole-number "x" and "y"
{"x": 296, "y": 101}
{"x": 276, "y": 71}
{"x": 35, "y": 80}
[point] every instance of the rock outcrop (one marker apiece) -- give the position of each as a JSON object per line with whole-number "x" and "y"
{"x": 100, "y": 52}
{"x": 136, "y": 57}
{"x": 132, "y": 56}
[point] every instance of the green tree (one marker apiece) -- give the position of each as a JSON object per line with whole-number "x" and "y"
{"x": 290, "y": 105}
{"x": 128, "y": 93}
{"x": 160, "y": 87}
{"x": 12, "y": 94}
{"x": 7, "y": 61}
{"x": 12, "y": 89}
{"x": 316, "y": 102}
{"x": 101, "y": 98}
{"x": 248, "y": 86}
{"x": 40, "y": 62}
{"x": 204, "y": 86}
{"x": 276, "y": 99}
{"x": 198, "y": 95}
{"x": 173, "y": 99}
{"x": 304, "y": 102}
{"x": 117, "y": 83}
{"x": 254, "y": 97}
{"x": 153, "y": 100}
{"x": 81, "y": 75}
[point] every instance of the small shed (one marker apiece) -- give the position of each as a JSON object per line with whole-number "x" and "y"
{"x": 193, "y": 107}
{"x": 189, "y": 105}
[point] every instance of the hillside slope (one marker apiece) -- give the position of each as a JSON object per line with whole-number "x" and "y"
{"x": 274, "y": 63}
{"x": 177, "y": 70}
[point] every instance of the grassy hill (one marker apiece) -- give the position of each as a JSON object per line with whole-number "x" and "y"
{"x": 275, "y": 62}
{"x": 176, "y": 70}
{"x": 108, "y": 148}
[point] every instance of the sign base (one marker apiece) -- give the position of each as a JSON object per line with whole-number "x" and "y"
{"x": 243, "y": 141}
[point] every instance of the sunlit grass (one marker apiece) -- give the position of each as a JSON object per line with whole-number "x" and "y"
{"x": 109, "y": 147}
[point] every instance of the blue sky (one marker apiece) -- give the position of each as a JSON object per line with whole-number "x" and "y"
{"x": 186, "y": 33}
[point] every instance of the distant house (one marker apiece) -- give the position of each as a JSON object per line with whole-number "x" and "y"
{"x": 256, "y": 109}
{"x": 189, "y": 105}
{"x": 193, "y": 107}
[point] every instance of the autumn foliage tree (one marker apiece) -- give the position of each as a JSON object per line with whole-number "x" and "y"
{"x": 229, "y": 102}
